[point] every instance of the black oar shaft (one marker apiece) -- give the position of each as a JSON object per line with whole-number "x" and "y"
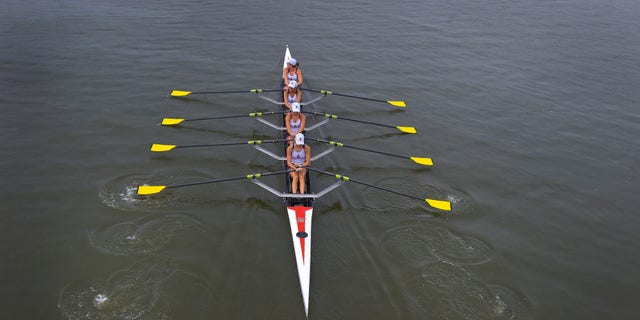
{"x": 237, "y": 91}
{"x": 358, "y": 148}
{"x": 249, "y": 176}
{"x": 209, "y": 92}
{"x": 387, "y": 190}
{"x": 215, "y": 118}
{"x": 232, "y": 143}
{"x": 326, "y": 92}
{"x": 212, "y": 145}
{"x": 254, "y": 114}
{"x": 333, "y": 116}
{"x": 344, "y": 178}
{"x": 379, "y": 152}
{"x": 368, "y": 122}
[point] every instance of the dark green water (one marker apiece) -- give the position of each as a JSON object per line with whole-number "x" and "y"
{"x": 529, "y": 110}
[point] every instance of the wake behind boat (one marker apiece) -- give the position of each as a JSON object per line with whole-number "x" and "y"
{"x": 299, "y": 206}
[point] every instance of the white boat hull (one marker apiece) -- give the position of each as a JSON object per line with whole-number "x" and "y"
{"x": 300, "y": 219}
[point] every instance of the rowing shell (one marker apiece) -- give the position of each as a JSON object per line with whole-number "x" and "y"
{"x": 299, "y": 206}
{"x": 300, "y": 213}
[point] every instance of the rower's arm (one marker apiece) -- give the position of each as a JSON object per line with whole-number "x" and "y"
{"x": 287, "y": 124}
{"x": 303, "y": 121}
{"x": 285, "y": 97}
{"x": 299, "y": 95}
{"x": 307, "y": 160}
{"x": 300, "y": 79}
{"x": 284, "y": 76}
{"x": 289, "y": 164}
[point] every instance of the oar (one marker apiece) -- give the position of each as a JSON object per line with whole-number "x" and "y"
{"x": 418, "y": 160}
{"x": 180, "y": 93}
{"x": 145, "y": 190}
{"x": 156, "y": 147}
{"x": 438, "y": 204}
{"x": 327, "y": 92}
{"x": 334, "y": 116}
{"x": 175, "y": 121}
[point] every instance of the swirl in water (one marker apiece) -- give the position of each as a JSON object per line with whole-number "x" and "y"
{"x": 143, "y": 291}
{"x": 145, "y": 235}
{"x": 444, "y": 290}
{"x": 419, "y": 241}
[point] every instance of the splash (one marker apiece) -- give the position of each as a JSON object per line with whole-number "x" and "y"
{"x": 122, "y": 192}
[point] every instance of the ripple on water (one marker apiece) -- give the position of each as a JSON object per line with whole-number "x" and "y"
{"x": 376, "y": 200}
{"x": 445, "y": 290}
{"x": 418, "y": 241}
{"x": 141, "y": 236}
{"x": 147, "y": 290}
{"x": 126, "y": 294}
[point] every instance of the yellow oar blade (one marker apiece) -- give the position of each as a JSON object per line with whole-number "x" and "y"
{"x": 397, "y": 103}
{"x": 178, "y": 93}
{"x": 422, "y": 161}
{"x": 439, "y": 204}
{"x": 407, "y": 129}
{"x": 171, "y": 121}
{"x": 144, "y": 190}
{"x": 162, "y": 147}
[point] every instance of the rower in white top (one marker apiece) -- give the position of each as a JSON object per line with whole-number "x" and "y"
{"x": 295, "y": 121}
{"x": 291, "y": 94}
{"x": 292, "y": 72}
{"x": 298, "y": 158}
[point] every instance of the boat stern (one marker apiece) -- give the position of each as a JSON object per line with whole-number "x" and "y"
{"x": 300, "y": 219}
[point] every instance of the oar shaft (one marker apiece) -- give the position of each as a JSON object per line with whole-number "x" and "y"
{"x": 253, "y": 114}
{"x": 249, "y": 176}
{"x": 333, "y": 116}
{"x": 232, "y": 143}
{"x": 344, "y": 95}
{"x": 237, "y": 91}
{"x": 379, "y": 152}
{"x": 365, "y": 184}
{"x": 212, "y": 92}
{"x": 212, "y": 145}
{"x": 358, "y": 148}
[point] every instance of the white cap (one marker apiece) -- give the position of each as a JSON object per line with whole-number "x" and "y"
{"x": 295, "y": 107}
{"x": 299, "y": 139}
{"x": 292, "y": 62}
{"x": 293, "y": 84}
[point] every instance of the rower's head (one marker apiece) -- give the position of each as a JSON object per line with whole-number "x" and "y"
{"x": 292, "y": 84}
{"x": 293, "y": 62}
{"x": 299, "y": 139}
{"x": 295, "y": 107}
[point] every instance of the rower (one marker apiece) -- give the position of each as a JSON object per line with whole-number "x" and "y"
{"x": 298, "y": 158}
{"x": 292, "y": 72}
{"x": 294, "y": 121}
{"x": 291, "y": 94}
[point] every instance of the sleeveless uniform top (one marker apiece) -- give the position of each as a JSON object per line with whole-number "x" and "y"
{"x": 298, "y": 157}
{"x": 295, "y": 126}
{"x": 292, "y": 99}
{"x": 293, "y": 77}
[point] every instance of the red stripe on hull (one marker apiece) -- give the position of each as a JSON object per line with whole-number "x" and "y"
{"x": 301, "y": 218}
